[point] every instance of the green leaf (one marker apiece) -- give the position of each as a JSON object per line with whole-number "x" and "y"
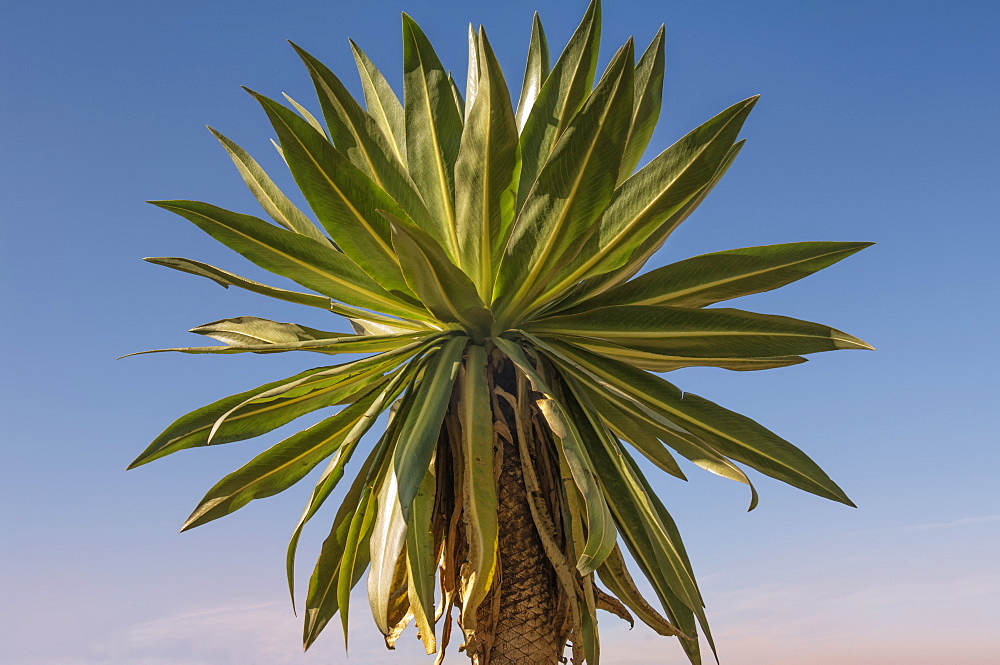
{"x": 614, "y": 574}
{"x": 443, "y": 288}
{"x": 356, "y": 553}
{"x": 433, "y": 131}
{"x": 321, "y": 600}
{"x": 484, "y": 173}
{"x": 290, "y": 255}
{"x": 421, "y": 560}
{"x": 388, "y": 543}
{"x": 711, "y": 278}
{"x": 660, "y": 362}
{"x": 248, "y": 330}
{"x": 641, "y": 439}
{"x": 683, "y": 441}
{"x": 536, "y": 69}
{"x": 601, "y": 533}
{"x": 571, "y": 192}
{"x": 563, "y": 92}
{"x": 472, "y": 74}
{"x": 306, "y": 115}
{"x": 366, "y": 145}
{"x": 674, "y": 534}
{"x": 648, "y": 99}
{"x": 650, "y": 245}
{"x": 730, "y": 433}
{"x": 388, "y": 540}
{"x": 334, "y": 471}
{"x": 262, "y": 409}
{"x": 344, "y": 199}
{"x": 355, "y": 133}
{"x": 456, "y": 95}
{"x": 271, "y": 199}
{"x": 279, "y": 467}
{"x": 340, "y": 344}
{"x": 655, "y": 194}
{"x": 634, "y": 512}
{"x": 332, "y": 580}
{"x": 411, "y": 457}
{"x": 227, "y": 279}
{"x": 383, "y": 104}
{"x": 701, "y": 333}
{"x": 479, "y": 492}
{"x": 419, "y": 433}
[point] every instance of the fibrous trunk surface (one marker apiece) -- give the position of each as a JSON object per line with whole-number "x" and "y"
{"x": 522, "y": 619}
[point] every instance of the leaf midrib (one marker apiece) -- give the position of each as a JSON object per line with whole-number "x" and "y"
{"x": 708, "y": 285}
{"x": 613, "y": 243}
{"x": 333, "y": 185}
{"x": 392, "y": 304}
{"x": 549, "y": 246}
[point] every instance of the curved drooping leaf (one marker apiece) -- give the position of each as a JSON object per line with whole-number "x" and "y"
{"x": 571, "y": 192}
{"x": 262, "y": 409}
{"x": 624, "y": 427}
{"x": 686, "y": 443}
{"x": 674, "y": 534}
{"x": 280, "y": 466}
{"x": 601, "y": 533}
{"x": 334, "y": 470}
{"x": 616, "y": 577}
{"x": 420, "y": 431}
{"x": 433, "y": 131}
{"x": 341, "y": 344}
{"x": 248, "y": 330}
{"x": 648, "y": 99}
{"x": 536, "y": 70}
{"x": 479, "y": 494}
{"x": 630, "y": 504}
{"x": 388, "y": 544}
{"x": 733, "y": 435}
{"x": 322, "y": 605}
{"x": 296, "y": 257}
{"x": 346, "y": 552}
{"x": 680, "y": 331}
{"x": 484, "y": 174}
{"x": 560, "y": 96}
{"x": 421, "y": 560}
{"x": 711, "y": 278}
{"x": 227, "y": 279}
{"x": 271, "y": 199}
{"x": 383, "y": 104}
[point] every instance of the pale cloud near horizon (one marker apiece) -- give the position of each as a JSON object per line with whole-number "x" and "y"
{"x": 965, "y": 521}
{"x": 820, "y": 623}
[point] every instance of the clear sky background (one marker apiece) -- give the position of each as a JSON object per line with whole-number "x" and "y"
{"x": 878, "y": 122}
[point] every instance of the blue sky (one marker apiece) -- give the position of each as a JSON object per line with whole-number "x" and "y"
{"x": 877, "y": 122}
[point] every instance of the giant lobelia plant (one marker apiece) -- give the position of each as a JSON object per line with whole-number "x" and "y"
{"x": 486, "y": 257}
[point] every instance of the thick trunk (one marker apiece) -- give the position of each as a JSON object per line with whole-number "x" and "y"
{"x": 522, "y": 620}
